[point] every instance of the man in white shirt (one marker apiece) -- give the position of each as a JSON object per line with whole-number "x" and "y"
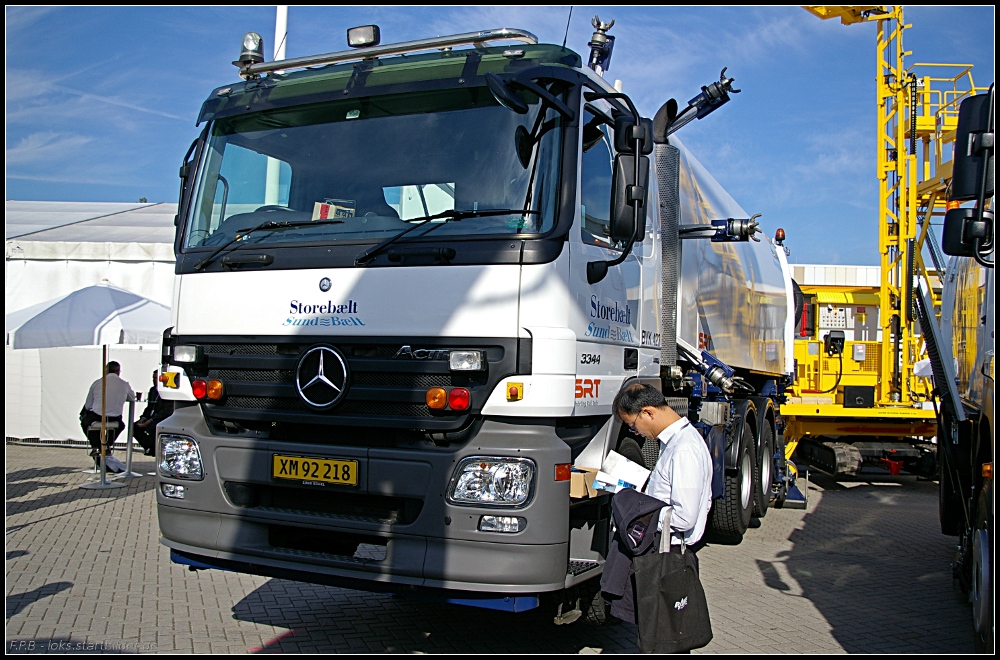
{"x": 682, "y": 476}
{"x": 118, "y": 392}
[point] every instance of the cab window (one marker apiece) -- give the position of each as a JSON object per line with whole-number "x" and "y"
{"x": 595, "y": 180}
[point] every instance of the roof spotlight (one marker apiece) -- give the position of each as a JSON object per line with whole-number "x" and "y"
{"x": 363, "y": 36}
{"x": 253, "y": 50}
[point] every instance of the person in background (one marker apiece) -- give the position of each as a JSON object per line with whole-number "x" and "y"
{"x": 118, "y": 392}
{"x": 156, "y": 411}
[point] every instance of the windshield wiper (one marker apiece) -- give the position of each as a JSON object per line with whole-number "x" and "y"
{"x": 448, "y": 216}
{"x": 272, "y": 225}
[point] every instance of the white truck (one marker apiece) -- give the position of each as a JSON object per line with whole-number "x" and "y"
{"x": 411, "y": 279}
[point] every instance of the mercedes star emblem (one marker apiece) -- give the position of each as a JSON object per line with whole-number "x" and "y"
{"x": 321, "y": 376}
{"x": 324, "y": 284}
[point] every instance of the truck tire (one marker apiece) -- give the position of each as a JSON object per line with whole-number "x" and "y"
{"x": 730, "y": 517}
{"x": 765, "y": 472}
{"x": 982, "y": 587}
{"x": 596, "y": 610}
{"x": 630, "y": 449}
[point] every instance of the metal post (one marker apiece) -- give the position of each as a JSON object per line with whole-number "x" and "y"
{"x": 272, "y": 184}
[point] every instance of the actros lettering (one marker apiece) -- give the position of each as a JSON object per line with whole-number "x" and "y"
{"x": 423, "y": 353}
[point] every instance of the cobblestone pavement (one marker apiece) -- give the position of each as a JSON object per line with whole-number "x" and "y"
{"x": 863, "y": 570}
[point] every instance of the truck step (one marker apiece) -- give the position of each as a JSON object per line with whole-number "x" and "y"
{"x": 795, "y": 498}
{"x": 581, "y": 566}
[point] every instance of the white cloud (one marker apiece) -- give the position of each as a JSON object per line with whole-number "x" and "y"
{"x": 17, "y": 19}
{"x": 116, "y": 101}
{"x": 45, "y": 146}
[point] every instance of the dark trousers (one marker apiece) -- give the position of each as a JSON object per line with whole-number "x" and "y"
{"x": 94, "y": 437}
{"x": 145, "y": 436}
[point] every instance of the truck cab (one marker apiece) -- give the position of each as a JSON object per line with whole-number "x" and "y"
{"x": 391, "y": 343}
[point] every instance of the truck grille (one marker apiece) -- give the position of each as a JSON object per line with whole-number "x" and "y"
{"x": 349, "y": 408}
{"x": 261, "y": 392}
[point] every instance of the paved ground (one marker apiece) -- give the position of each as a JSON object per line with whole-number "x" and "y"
{"x": 863, "y": 570}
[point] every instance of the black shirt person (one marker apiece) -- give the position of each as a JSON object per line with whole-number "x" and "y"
{"x": 156, "y": 411}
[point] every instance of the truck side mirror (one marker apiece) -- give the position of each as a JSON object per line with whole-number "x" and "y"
{"x": 973, "y": 149}
{"x": 627, "y": 132}
{"x": 626, "y": 194}
{"x": 969, "y": 232}
{"x": 965, "y": 233}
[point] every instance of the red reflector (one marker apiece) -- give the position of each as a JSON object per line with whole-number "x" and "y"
{"x": 199, "y": 388}
{"x": 563, "y": 471}
{"x": 458, "y": 398}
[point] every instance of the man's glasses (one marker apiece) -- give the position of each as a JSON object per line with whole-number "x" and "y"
{"x": 631, "y": 425}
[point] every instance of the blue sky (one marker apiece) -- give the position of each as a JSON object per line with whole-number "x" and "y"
{"x": 101, "y": 101}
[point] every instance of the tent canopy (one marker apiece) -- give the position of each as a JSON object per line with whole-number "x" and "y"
{"x": 94, "y": 315}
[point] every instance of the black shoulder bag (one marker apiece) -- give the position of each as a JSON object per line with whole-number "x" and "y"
{"x": 670, "y": 601}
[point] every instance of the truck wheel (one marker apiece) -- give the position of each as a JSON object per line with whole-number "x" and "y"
{"x": 982, "y": 589}
{"x": 765, "y": 472}
{"x": 630, "y": 449}
{"x": 596, "y": 610}
{"x": 730, "y": 517}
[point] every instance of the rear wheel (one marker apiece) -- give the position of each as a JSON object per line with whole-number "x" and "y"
{"x": 730, "y": 516}
{"x": 982, "y": 590}
{"x": 765, "y": 471}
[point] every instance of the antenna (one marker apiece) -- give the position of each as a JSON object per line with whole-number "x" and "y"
{"x": 568, "y": 19}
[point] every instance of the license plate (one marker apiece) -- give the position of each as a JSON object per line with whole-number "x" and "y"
{"x": 323, "y": 470}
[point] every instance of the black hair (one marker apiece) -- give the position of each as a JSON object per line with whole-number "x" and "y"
{"x": 637, "y": 396}
{"x": 114, "y": 367}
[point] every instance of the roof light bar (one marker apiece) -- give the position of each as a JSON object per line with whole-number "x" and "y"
{"x": 468, "y": 38}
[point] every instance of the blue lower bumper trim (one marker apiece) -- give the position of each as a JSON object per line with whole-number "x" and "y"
{"x": 504, "y": 604}
{"x": 178, "y": 558}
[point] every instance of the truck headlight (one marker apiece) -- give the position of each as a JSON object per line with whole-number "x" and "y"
{"x": 187, "y": 354}
{"x": 492, "y": 481}
{"x": 180, "y": 458}
{"x": 466, "y": 360}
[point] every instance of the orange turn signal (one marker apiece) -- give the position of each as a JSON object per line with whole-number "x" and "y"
{"x": 215, "y": 389}
{"x": 437, "y": 398}
{"x": 987, "y": 470}
{"x": 563, "y": 471}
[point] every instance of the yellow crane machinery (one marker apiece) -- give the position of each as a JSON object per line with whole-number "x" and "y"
{"x": 857, "y": 398}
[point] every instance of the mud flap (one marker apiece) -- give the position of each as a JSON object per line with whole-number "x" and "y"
{"x": 716, "y": 442}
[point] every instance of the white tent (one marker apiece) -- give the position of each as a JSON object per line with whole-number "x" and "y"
{"x": 53, "y": 250}
{"x": 93, "y": 315}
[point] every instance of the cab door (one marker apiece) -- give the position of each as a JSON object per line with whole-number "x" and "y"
{"x": 605, "y": 315}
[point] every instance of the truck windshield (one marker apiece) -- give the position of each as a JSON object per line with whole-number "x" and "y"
{"x": 378, "y": 164}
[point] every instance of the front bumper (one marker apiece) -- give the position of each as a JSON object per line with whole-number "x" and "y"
{"x": 408, "y": 535}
